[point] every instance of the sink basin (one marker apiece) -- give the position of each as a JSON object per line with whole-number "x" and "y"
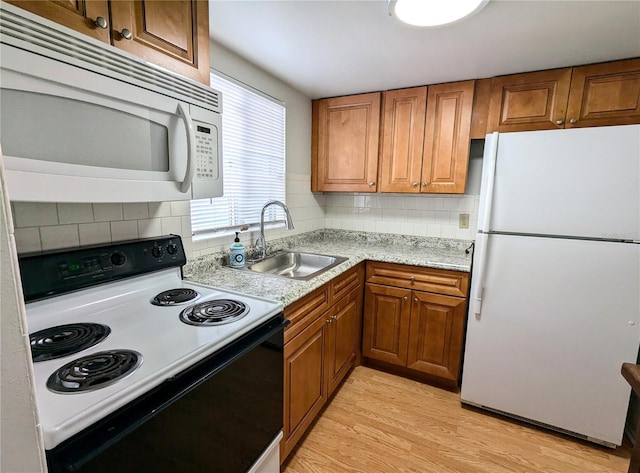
{"x": 296, "y": 265}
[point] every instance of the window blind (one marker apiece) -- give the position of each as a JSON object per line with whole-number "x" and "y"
{"x": 253, "y": 153}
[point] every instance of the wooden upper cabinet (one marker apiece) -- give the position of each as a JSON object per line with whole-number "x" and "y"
{"x": 530, "y": 101}
{"x": 446, "y": 141}
{"x": 172, "y": 34}
{"x": 605, "y": 94}
{"x": 403, "y": 119}
{"x": 80, "y": 15}
{"x": 345, "y": 139}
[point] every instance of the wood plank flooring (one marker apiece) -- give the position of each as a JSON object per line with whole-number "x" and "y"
{"x": 382, "y": 423}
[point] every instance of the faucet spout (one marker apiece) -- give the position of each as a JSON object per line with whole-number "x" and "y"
{"x": 261, "y": 242}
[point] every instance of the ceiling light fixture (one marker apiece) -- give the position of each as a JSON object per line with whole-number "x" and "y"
{"x": 434, "y": 12}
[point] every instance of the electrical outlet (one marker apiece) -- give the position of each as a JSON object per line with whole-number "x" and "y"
{"x": 463, "y": 221}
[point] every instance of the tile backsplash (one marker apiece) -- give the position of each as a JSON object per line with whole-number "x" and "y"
{"x": 418, "y": 215}
{"x": 46, "y": 226}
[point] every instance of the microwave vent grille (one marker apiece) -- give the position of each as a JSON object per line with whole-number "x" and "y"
{"x": 45, "y": 38}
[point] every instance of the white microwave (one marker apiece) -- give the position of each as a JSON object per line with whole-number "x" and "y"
{"x": 83, "y": 122}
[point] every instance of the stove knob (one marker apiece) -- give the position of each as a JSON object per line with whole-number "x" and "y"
{"x": 156, "y": 251}
{"x": 118, "y": 258}
{"x": 172, "y": 248}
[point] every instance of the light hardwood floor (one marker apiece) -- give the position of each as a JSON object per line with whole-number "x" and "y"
{"x": 381, "y": 423}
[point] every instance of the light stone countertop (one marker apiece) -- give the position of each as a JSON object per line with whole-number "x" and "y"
{"x": 357, "y": 246}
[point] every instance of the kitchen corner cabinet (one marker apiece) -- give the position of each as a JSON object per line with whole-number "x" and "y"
{"x": 173, "y": 34}
{"x": 321, "y": 346}
{"x": 345, "y": 136}
{"x": 594, "y": 95}
{"x": 414, "y": 320}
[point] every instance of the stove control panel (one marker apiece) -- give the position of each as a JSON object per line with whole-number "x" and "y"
{"x": 53, "y": 273}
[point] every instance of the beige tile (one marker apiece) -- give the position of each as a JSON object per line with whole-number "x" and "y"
{"x": 94, "y": 233}
{"x": 34, "y": 214}
{"x": 136, "y": 211}
{"x": 171, "y": 225}
{"x": 75, "y": 213}
{"x": 124, "y": 230}
{"x": 180, "y": 208}
{"x": 107, "y": 212}
{"x": 159, "y": 209}
{"x": 150, "y": 227}
{"x": 28, "y": 239}
{"x": 59, "y": 236}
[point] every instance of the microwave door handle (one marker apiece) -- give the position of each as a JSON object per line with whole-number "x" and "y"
{"x": 191, "y": 143}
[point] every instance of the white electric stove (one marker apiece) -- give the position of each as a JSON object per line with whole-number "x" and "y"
{"x": 144, "y": 330}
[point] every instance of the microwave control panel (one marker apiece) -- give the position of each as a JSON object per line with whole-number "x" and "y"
{"x": 206, "y": 152}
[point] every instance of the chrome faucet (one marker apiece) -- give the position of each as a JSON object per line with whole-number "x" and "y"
{"x": 261, "y": 242}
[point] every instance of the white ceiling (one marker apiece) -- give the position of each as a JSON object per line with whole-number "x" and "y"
{"x": 340, "y": 47}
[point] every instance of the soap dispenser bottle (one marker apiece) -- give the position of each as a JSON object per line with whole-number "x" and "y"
{"x": 236, "y": 253}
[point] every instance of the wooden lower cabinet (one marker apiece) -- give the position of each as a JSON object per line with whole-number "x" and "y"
{"x": 321, "y": 346}
{"x": 386, "y": 326}
{"x": 415, "y": 331}
{"x": 435, "y": 334}
{"x": 305, "y": 383}
{"x": 342, "y": 338}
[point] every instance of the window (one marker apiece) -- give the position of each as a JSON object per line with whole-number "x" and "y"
{"x": 253, "y": 153}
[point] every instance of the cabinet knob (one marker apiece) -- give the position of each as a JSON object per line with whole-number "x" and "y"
{"x": 101, "y": 22}
{"x": 334, "y": 317}
{"x": 425, "y": 184}
{"x": 415, "y": 184}
{"x": 371, "y": 184}
{"x": 415, "y": 299}
{"x": 126, "y": 34}
{"x": 412, "y": 279}
{"x": 560, "y": 121}
{"x": 573, "y": 121}
{"x": 329, "y": 321}
{"x": 405, "y": 298}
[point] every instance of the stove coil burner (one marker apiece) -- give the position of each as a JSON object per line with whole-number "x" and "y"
{"x": 214, "y": 312}
{"x": 94, "y": 371}
{"x": 175, "y": 296}
{"x": 62, "y": 340}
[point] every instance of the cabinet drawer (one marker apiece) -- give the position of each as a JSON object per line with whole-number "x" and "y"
{"x": 440, "y": 281}
{"x": 304, "y": 311}
{"x": 345, "y": 283}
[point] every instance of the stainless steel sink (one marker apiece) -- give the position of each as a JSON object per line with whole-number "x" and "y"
{"x": 296, "y": 265}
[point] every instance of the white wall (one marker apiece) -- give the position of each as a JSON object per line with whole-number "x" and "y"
{"x": 21, "y": 449}
{"x": 307, "y": 209}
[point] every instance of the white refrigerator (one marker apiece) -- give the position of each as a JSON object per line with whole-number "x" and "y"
{"x": 554, "y": 306}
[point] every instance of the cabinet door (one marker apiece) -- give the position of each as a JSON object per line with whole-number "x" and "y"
{"x": 605, "y": 94}
{"x": 79, "y": 15}
{"x": 531, "y": 101}
{"x": 403, "y": 115}
{"x": 305, "y": 386}
{"x": 387, "y": 313}
{"x": 436, "y": 333}
{"x": 446, "y": 141}
{"x": 342, "y": 337}
{"x": 170, "y": 33}
{"x": 345, "y": 143}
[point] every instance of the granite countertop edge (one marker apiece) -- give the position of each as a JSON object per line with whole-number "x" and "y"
{"x": 435, "y": 253}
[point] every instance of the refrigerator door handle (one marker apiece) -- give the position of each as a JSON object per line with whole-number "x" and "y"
{"x": 489, "y": 167}
{"x": 481, "y": 252}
